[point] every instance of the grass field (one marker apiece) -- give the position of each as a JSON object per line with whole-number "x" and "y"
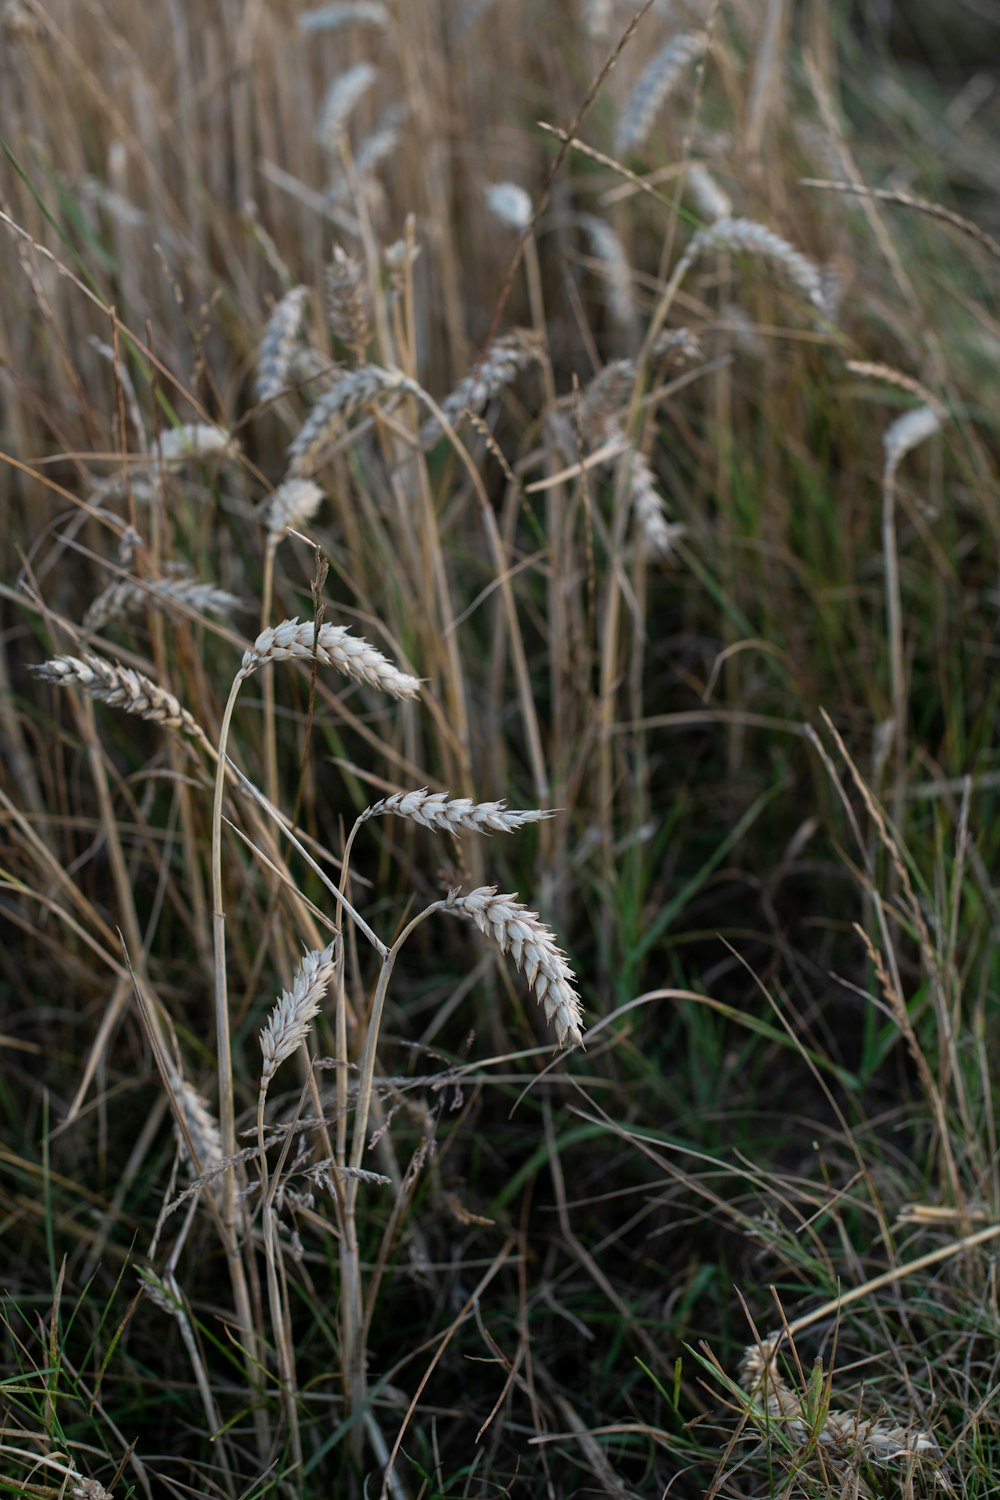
{"x": 528, "y": 1027}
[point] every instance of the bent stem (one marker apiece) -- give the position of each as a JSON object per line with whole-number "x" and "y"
{"x": 352, "y": 1311}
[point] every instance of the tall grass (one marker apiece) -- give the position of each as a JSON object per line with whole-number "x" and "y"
{"x": 411, "y": 411}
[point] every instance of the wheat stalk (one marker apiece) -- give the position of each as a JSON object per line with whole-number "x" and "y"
{"x": 435, "y": 810}
{"x": 331, "y": 646}
{"x": 655, "y": 84}
{"x": 278, "y": 344}
{"x": 121, "y": 687}
{"x": 532, "y": 945}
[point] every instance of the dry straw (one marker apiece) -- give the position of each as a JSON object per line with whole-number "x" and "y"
{"x": 532, "y": 945}
{"x": 288, "y": 1024}
{"x": 278, "y": 344}
{"x": 121, "y": 687}
{"x": 331, "y": 646}
{"x": 654, "y": 86}
{"x": 455, "y": 815}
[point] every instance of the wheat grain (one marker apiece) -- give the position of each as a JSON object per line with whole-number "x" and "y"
{"x": 532, "y": 945}
{"x": 654, "y": 86}
{"x": 331, "y": 646}
{"x": 435, "y": 810}
{"x": 349, "y": 13}
{"x": 288, "y": 1024}
{"x": 909, "y": 430}
{"x": 194, "y": 440}
{"x": 323, "y": 425}
{"x": 348, "y": 303}
{"x": 121, "y": 687}
{"x": 748, "y": 237}
{"x": 609, "y": 250}
{"x": 505, "y": 357}
{"x": 510, "y": 203}
{"x": 128, "y": 596}
{"x": 292, "y": 505}
{"x": 278, "y": 344}
{"x": 342, "y": 98}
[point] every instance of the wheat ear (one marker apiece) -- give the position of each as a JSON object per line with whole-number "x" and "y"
{"x": 278, "y": 344}
{"x": 194, "y": 440}
{"x": 323, "y": 425}
{"x": 655, "y": 84}
{"x": 747, "y": 237}
{"x": 288, "y": 1024}
{"x": 343, "y": 97}
{"x": 331, "y": 646}
{"x": 532, "y": 945}
{"x": 505, "y": 357}
{"x": 126, "y": 596}
{"x": 121, "y": 687}
{"x": 458, "y": 814}
{"x": 347, "y": 13}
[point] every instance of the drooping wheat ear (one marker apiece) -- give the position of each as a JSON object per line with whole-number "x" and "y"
{"x": 331, "y": 646}
{"x": 202, "y": 1127}
{"x": 323, "y": 425}
{"x": 435, "y": 810}
{"x": 654, "y": 86}
{"x": 611, "y": 387}
{"x": 342, "y": 98}
{"x": 906, "y": 433}
{"x": 656, "y": 532}
{"x": 532, "y": 945}
{"x": 348, "y": 301}
{"x": 288, "y": 1024}
{"x": 122, "y": 688}
{"x": 609, "y": 250}
{"x": 746, "y": 236}
{"x": 127, "y": 596}
{"x": 292, "y": 505}
{"x": 505, "y": 357}
{"x": 509, "y": 203}
{"x": 762, "y": 1380}
{"x": 710, "y": 200}
{"x": 278, "y": 344}
{"x": 348, "y": 13}
{"x": 191, "y": 441}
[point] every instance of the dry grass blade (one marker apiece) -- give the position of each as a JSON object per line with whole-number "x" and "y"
{"x": 121, "y": 687}
{"x": 435, "y": 810}
{"x": 532, "y": 945}
{"x": 331, "y": 646}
